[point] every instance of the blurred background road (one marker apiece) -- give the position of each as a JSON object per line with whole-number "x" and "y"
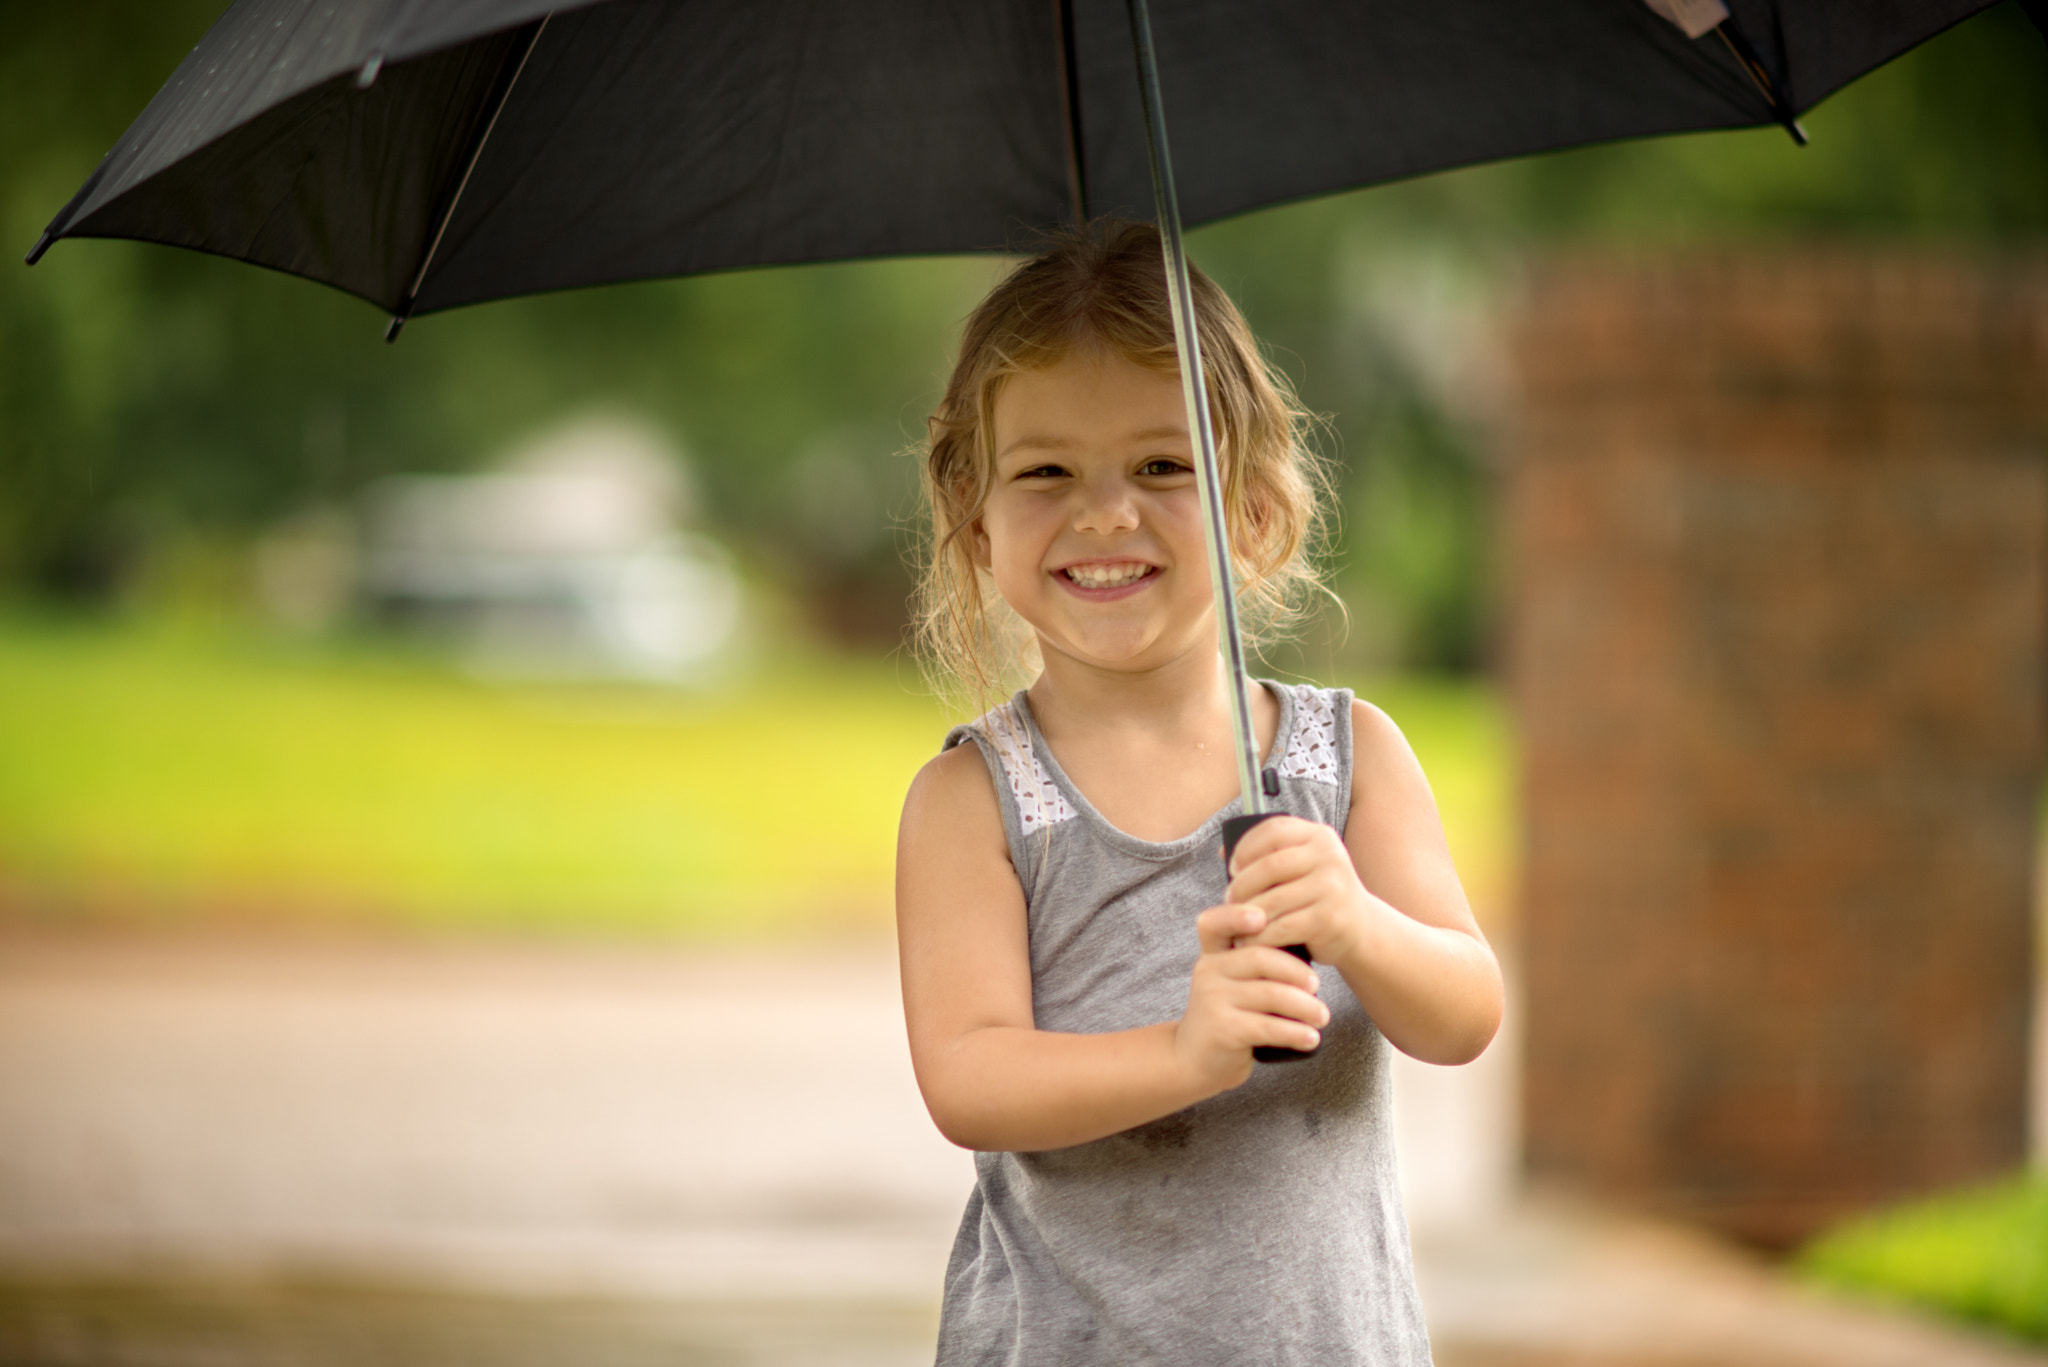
{"x": 706, "y": 1125}
{"x": 221, "y": 1149}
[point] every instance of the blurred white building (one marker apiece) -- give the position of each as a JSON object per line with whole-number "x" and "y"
{"x": 568, "y": 558}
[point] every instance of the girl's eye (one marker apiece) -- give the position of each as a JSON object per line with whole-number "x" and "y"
{"x": 1163, "y": 465}
{"x": 1040, "y": 472}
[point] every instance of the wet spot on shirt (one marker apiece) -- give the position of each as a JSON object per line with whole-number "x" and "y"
{"x": 1312, "y": 1121}
{"x": 1167, "y": 1132}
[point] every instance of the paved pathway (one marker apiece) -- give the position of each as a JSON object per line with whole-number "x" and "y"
{"x": 714, "y": 1157}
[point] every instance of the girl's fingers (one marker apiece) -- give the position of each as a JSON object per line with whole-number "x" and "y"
{"x": 1287, "y": 899}
{"x": 1263, "y": 963}
{"x": 1289, "y": 1034}
{"x": 1268, "y": 998}
{"x": 1250, "y": 1027}
{"x": 1257, "y": 842}
{"x": 1263, "y": 839}
{"x": 1284, "y": 865}
{"x": 1220, "y": 928}
{"x": 1236, "y": 1032}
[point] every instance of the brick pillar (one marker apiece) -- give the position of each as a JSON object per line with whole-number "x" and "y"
{"x": 1777, "y": 610}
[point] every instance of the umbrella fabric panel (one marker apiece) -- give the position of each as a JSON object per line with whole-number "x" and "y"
{"x": 337, "y": 184}
{"x": 256, "y": 56}
{"x": 1311, "y": 98}
{"x": 1822, "y": 45}
{"x": 1269, "y": 102}
{"x": 262, "y": 54}
{"x": 646, "y": 138}
{"x": 412, "y": 28}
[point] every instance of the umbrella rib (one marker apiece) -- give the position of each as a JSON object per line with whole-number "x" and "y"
{"x": 476, "y": 153}
{"x": 1070, "y": 110}
{"x": 1747, "y": 57}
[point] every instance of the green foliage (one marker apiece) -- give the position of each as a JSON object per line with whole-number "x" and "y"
{"x": 177, "y": 775}
{"x": 1980, "y": 1254}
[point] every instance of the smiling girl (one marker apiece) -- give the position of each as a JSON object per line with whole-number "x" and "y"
{"x": 1083, "y": 982}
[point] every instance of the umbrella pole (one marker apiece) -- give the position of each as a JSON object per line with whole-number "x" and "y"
{"x": 1254, "y": 786}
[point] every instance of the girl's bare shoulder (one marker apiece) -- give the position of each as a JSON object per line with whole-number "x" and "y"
{"x": 1375, "y": 737}
{"x": 1384, "y": 768}
{"x": 953, "y": 791}
{"x": 951, "y": 844}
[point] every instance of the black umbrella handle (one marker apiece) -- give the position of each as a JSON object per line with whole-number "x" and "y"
{"x": 1234, "y": 828}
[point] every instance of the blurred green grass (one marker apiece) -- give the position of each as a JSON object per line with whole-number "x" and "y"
{"x": 161, "y": 776}
{"x": 1980, "y": 1254}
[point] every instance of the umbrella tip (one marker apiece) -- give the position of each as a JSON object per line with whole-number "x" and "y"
{"x": 35, "y": 253}
{"x": 367, "y": 77}
{"x": 396, "y": 326}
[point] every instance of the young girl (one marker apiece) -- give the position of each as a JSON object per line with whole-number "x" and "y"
{"x": 1083, "y": 984}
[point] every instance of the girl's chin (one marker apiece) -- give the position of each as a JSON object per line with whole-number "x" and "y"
{"x": 1120, "y": 656}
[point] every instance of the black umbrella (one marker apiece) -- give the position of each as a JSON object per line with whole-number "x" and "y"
{"x": 426, "y": 155}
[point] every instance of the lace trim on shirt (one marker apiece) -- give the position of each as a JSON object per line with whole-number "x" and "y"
{"x": 1312, "y": 750}
{"x": 1039, "y": 800}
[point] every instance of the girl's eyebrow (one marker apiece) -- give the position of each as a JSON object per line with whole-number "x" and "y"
{"x": 1037, "y": 442}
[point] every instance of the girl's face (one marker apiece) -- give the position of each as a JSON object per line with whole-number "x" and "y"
{"x": 1092, "y": 528}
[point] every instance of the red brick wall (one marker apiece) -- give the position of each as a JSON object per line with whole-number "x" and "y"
{"x": 1777, "y": 531}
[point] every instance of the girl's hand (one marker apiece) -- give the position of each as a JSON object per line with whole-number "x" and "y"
{"x": 1243, "y": 995}
{"x": 1381, "y": 903}
{"x": 1300, "y": 874}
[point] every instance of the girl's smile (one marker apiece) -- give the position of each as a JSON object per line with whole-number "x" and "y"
{"x": 1103, "y": 581}
{"x": 1092, "y": 528}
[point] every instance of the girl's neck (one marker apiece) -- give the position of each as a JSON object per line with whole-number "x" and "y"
{"x": 1187, "y": 689}
{"x": 1151, "y": 750}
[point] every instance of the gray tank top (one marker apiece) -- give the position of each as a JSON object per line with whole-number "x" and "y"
{"x": 1262, "y": 1226}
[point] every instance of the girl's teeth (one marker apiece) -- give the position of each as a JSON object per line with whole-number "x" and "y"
{"x": 1107, "y": 576}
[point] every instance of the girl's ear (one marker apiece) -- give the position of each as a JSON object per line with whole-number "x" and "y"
{"x": 977, "y": 544}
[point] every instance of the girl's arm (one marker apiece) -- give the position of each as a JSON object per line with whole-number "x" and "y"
{"x": 1382, "y": 903}
{"x": 990, "y": 1078}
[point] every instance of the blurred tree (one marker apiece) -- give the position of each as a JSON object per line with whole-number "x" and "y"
{"x": 152, "y": 398}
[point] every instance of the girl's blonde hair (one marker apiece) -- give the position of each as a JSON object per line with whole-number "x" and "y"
{"x": 1105, "y": 285}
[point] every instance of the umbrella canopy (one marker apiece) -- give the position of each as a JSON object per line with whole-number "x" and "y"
{"x": 431, "y": 155}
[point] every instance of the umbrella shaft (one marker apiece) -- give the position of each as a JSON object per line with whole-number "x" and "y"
{"x": 1195, "y": 392}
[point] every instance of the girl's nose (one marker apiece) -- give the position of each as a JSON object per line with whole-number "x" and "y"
{"x": 1106, "y": 506}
